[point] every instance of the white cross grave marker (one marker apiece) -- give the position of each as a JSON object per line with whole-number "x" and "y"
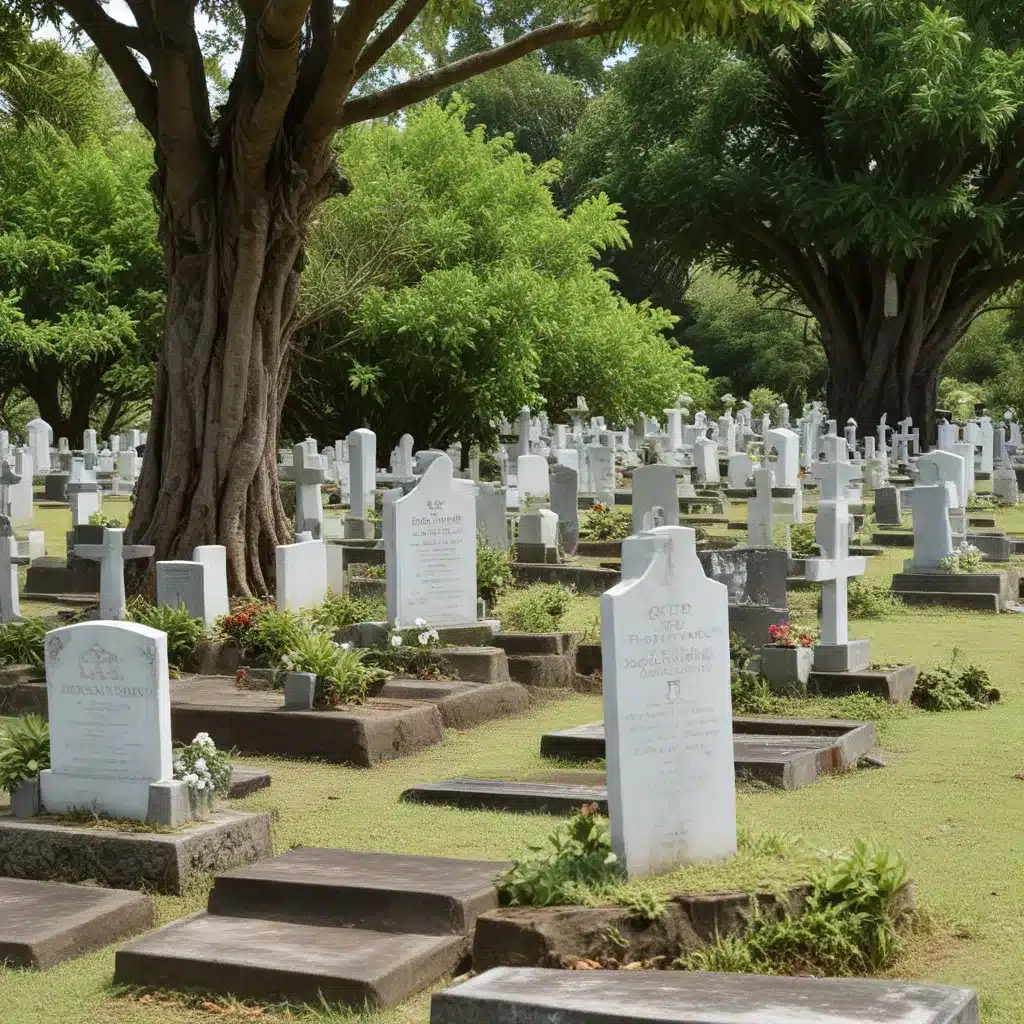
{"x": 112, "y": 554}
{"x": 10, "y": 608}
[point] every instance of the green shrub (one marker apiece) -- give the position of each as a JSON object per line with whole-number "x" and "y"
{"x": 493, "y": 572}
{"x": 21, "y": 643}
{"x": 536, "y": 609}
{"x": 605, "y": 522}
{"x": 341, "y": 673}
{"x": 577, "y": 856}
{"x": 99, "y": 519}
{"x": 849, "y": 924}
{"x": 750, "y": 693}
{"x": 276, "y": 633}
{"x": 239, "y": 625}
{"x": 943, "y": 688}
{"x": 184, "y": 634}
{"x": 340, "y": 610}
{"x": 866, "y": 599}
{"x": 801, "y": 541}
{"x": 24, "y": 750}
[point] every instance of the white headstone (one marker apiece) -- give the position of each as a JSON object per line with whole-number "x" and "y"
{"x": 705, "y": 461}
{"x": 214, "y": 558}
{"x": 741, "y": 470}
{"x": 761, "y": 511}
{"x": 654, "y": 487}
{"x": 938, "y": 467}
{"x": 83, "y": 493}
{"x": 832, "y": 533}
{"x": 309, "y": 471}
{"x": 22, "y": 507}
{"x": 966, "y": 452}
{"x": 933, "y": 538}
{"x": 532, "y": 477}
{"x": 786, "y": 445}
{"x": 601, "y": 467}
{"x": 430, "y": 547}
{"x": 362, "y": 457}
{"x": 109, "y": 708}
{"x": 40, "y": 437}
{"x": 668, "y": 707}
{"x": 10, "y": 606}
{"x": 301, "y": 575}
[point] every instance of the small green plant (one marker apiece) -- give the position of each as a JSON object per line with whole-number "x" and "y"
{"x": 577, "y": 855}
{"x": 417, "y": 656}
{"x": 867, "y": 599}
{"x": 536, "y": 609}
{"x": 276, "y": 633}
{"x": 21, "y": 643}
{"x": 24, "y": 750}
{"x": 184, "y": 634}
{"x": 341, "y": 672}
{"x": 750, "y": 693}
{"x": 643, "y": 903}
{"x": 374, "y": 572}
{"x": 493, "y": 572}
{"x": 945, "y": 688}
{"x": 849, "y": 923}
{"x": 99, "y": 519}
{"x": 201, "y": 766}
{"x": 340, "y": 610}
{"x": 605, "y": 522}
{"x": 802, "y": 543}
{"x": 966, "y": 558}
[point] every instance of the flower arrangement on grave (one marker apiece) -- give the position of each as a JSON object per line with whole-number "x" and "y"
{"x": 785, "y": 635}
{"x": 966, "y": 558}
{"x": 415, "y": 655}
{"x": 240, "y": 625}
{"x": 202, "y": 767}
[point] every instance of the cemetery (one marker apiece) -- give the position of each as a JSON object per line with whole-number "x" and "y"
{"x": 508, "y": 515}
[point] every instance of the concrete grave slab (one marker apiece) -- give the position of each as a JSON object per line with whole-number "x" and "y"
{"x": 537, "y": 996}
{"x": 44, "y": 923}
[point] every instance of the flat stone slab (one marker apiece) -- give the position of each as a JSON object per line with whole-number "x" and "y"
{"x": 524, "y": 797}
{"x": 784, "y": 752}
{"x": 166, "y": 862}
{"x": 584, "y": 579}
{"x": 254, "y": 721}
{"x": 246, "y": 781}
{"x": 895, "y": 684}
{"x": 261, "y": 959}
{"x": 386, "y": 892}
{"x": 45, "y": 923}
{"x": 533, "y": 995}
{"x": 463, "y": 705}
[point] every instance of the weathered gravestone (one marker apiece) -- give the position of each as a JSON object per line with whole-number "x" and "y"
{"x": 40, "y": 437}
{"x": 215, "y": 582}
{"x": 565, "y": 505}
{"x": 888, "y": 506}
{"x": 362, "y": 463}
{"x": 668, "y": 707}
{"x": 83, "y": 493}
{"x": 430, "y": 550}
{"x": 301, "y": 575}
{"x": 761, "y": 511}
{"x": 933, "y": 538}
{"x": 200, "y": 585}
{"x": 491, "y": 516}
{"x": 108, "y": 702}
{"x": 654, "y": 488}
{"x": 309, "y": 471}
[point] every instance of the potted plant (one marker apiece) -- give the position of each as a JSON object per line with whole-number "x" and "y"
{"x": 24, "y": 753}
{"x": 205, "y": 770}
{"x": 786, "y": 661}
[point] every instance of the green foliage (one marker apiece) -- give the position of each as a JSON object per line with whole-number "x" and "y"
{"x": 275, "y": 633}
{"x": 536, "y": 609}
{"x": 99, "y": 519}
{"x": 448, "y": 290}
{"x": 340, "y": 610}
{"x": 949, "y": 688}
{"x": 802, "y": 542}
{"x": 412, "y": 654}
{"x": 605, "y": 522}
{"x": 184, "y": 633}
{"x": 764, "y": 400}
{"x": 964, "y": 559}
{"x": 868, "y": 599}
{"x": 493, "y": 572}
{"x": 239, "y": 625}
{"x": 341, "y": 671}
{"x": 849, "y": 924}
{"x": 24, "y": 750}
{"x": 578, "y": 855}
{"x": 21, "y": 643}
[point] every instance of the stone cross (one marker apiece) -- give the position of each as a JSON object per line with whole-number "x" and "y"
{"x": 906, "y": 441}
{"x": 8, "y": 478}
{"x": 308, "y": 470}
{"x": 10, "y": 608}
{"x": 112, "y": 554}
{"x": 832, "y": 533}
{"x": 524, "y": 431}
{"x": 883, "y": 448}
{"x": 834, "y": 477}
{"x": 83, "y": 493}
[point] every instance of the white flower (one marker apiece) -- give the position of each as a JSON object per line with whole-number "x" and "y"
{"x": 203, "y": 739}
{"x": 201, "y": 784}
{"x": 420, "y": 622}
{"x": 346, "y": 647}
{"x": 424, "y": 638}
{"x": 433, "y": 634}
{"x": 396, "y": 641}
{"x": 191, "y": 778}
{"x": 200, "y": 765}
{"x": 179, "y": 767}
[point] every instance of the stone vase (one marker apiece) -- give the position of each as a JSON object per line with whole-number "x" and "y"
{"x": 201, "y": 803}
{"x": 25, "y": 802}
{"x": 787, "y": 669}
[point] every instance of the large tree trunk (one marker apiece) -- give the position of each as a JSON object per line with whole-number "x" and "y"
{"x": 210, "y": 470}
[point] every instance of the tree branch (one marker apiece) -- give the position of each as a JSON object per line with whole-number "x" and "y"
{"x": 115, "y": 43}
{"x": 388, "y": 36}
{"x": 387, "y": 101}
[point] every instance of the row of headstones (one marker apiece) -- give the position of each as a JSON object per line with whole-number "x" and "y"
{"x": 40, "y": 445}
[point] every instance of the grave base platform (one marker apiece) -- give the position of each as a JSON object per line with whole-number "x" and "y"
{"x": 50, "y": 575}
{"x": 166, "y": 862}
{"x": 985, "y": 591}
{"x": 462, "y": 705}
{"x": 45, "y": 923}
{"x": 350, "y": 927}
{"x": 784, "y": 752}
{"x": 894, "y": 683}
{"x": 534, "y": 995}
{"x": 584, "y": 579}
{"x": 892, "y": 539}
{"x": 245, "y": 781}
{"x": 255, "y": 722}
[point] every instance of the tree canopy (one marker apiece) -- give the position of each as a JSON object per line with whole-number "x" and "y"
{"x": 448, "y": 290}
{"x": 867, "y": 166}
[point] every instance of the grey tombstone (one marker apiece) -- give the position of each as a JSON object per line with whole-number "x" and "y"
{"x": 214, "y": 558}
{"x": 933, "y": 537}
{"x": 309, "y": 471}
{"x": 83, "y": 493}
{"x": 887, "y": 506}
{"x": 491, "y": 523}
{"x": 537, "y": 541}
{"x": 565, "y": 504}
{"x": 54, "y": 486}
{"x": 20, "y": 494}
{"x": 181, "y": 584}
{"x": 112, "y": 554}
{"x": 654, "y": 487}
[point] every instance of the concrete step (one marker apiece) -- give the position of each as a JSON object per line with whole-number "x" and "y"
{"x": 378, "y": 891}
{"x": 967, "y": 601}
{"x": 554, "y": 671}
{"x": 251, "y": 958}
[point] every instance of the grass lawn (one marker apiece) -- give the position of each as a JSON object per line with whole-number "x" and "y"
{"x": 948, "y": 800}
